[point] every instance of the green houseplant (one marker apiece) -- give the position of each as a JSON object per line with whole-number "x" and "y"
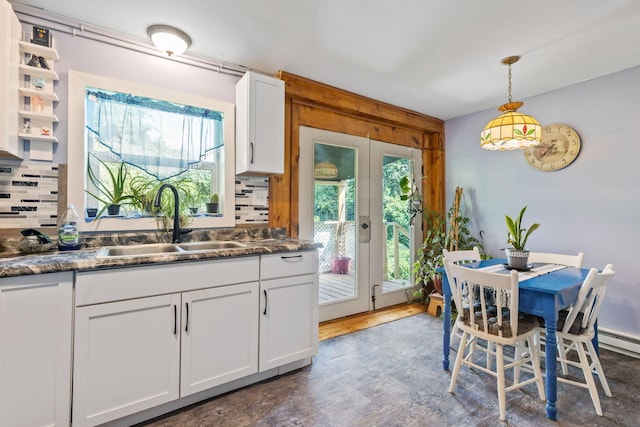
{"x": 410, "y": 193}
{"x": 212, "y": 205}
{"x": 112, "y": 191}
{"x": 517, "y": 236}
{"x": 450, "y": 231}
{"x": 143, "y": 188}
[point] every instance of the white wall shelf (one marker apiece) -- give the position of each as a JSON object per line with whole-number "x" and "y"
{"x": 36, "y": 137}
{"x": 35, "y": 111}
{"x": 39, "y": 116}
{"x": 36, "y": 49}
{"x": 49, "y": 96}
{"x": 38, "y": 72}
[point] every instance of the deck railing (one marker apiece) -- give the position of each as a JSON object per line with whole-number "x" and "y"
{"x": 339, "y": 239}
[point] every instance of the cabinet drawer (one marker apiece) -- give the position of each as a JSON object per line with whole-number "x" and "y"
{"x": 94, "y": 287}
{"x": 288, "y": 264}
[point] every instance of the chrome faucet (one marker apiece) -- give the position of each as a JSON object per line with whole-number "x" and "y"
{"x": 176, "y": 209}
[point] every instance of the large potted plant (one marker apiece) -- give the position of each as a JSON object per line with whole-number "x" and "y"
{"x": 111, "y": 192}
{"x": 518, "y": 254}
{"x": 440, "y": 232}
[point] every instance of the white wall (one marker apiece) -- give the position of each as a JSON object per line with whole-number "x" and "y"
{"x": 593, "y": 205}
{"x": 102, "y": 59}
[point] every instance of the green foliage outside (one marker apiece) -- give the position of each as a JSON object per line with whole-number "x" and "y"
{"x": 395, "y": 210}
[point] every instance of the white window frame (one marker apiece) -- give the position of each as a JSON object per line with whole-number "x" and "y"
{"x": 77, "y": 156}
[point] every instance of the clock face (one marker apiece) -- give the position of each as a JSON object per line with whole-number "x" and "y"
{"x": 559, "y": 147}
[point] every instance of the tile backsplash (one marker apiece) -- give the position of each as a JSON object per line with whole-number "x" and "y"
{"x": 29, "y": 196}
{"x": 252, "y": 199}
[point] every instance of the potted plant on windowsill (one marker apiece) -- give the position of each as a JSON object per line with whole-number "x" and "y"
{"x": 111, "y": 192}
{"x": 212, "y": 205}
{"x": 518, "y": 254}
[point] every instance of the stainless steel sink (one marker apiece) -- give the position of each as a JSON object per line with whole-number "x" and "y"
{"x": 166, "y": 248}
{"x": 137, "y": 250}
{"x": 211, "y": 245}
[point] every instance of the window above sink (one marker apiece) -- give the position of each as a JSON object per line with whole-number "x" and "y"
{"x": 220, "y": 179}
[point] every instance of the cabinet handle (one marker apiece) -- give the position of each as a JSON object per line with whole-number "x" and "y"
{"x": 251, "y": 152}
{"x": 175, "y": 319}
{"x": 265, "y": 302}
{"x": 285, "y": 257}
{"x": 186, "y": 326}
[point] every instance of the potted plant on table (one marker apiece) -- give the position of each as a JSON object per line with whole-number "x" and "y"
{"x": 518, "y": 254}
{"x": 112, "y": 191}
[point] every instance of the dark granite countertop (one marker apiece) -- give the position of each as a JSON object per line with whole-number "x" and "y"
{"x": 85, "y": 259}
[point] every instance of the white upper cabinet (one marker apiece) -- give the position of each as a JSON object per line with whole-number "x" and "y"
{"x": 259, "y": 125}
{"x": 10, "y": 34}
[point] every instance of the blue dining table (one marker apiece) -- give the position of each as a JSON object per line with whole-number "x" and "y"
{"x": 542, "y": 296}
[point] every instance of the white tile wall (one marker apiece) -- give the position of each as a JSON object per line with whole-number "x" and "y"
{"x": 252, "y": 199}
{"x": 28, "y": 194}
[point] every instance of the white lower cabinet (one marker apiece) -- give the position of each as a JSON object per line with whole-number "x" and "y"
{"x": 289, "y": 308}
{"x": 219, "y": 336}
{"x": 139, "y": 353}
{"x": 36, "y": 322}
{"x": 147, "y": 336}
{"x": 126, "y": 358}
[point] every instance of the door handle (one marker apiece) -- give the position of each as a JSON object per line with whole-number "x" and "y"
{"x": 265, "y": 302}
{"x": 186, "y": 326}
{"x": 364, "y": 232}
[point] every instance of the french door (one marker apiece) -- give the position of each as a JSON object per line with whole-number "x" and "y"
{"x": 349, "y": 201}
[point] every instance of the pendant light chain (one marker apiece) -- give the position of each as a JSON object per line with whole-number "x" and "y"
{"x": 509, "y": 82}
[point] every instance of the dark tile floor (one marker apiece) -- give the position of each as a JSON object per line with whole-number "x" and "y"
{"x": 391, "y": 375}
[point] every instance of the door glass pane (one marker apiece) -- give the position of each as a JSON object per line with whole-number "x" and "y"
{"x": 396, "y": 229}
{"x": 334, "y": 220}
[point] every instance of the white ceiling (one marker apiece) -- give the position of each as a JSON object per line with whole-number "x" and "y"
{"x": 437, "y": 57}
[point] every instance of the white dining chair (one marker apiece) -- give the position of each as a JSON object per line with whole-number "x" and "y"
{"x": 459, "y": 257}
{"x": 561, "y": 259}
{"x": 576, "y": 329}
{"x": 496, "y": 323}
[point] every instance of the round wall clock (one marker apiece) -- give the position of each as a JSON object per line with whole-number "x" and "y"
{"x": 559, "y": 147}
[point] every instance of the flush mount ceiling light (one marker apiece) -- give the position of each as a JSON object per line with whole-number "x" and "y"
{"x": 168, "y": 39}
{"x": 511, "y": 130}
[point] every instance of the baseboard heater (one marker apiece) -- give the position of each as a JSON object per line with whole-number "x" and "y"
{"x": 619, "y": 342}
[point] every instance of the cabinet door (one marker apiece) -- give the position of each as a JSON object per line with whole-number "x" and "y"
{"x": 259, "y": 125}
{"x": 10, "y": 33}
{"x": 219, "y": 336}
{"x": 127, "y": 357}
{"x": 36, "y": 321}
{"x": 288, "y": 320}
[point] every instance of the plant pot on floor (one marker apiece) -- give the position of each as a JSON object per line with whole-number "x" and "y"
{"x": 340, "y": 264}
{"x": 517, "y": 258}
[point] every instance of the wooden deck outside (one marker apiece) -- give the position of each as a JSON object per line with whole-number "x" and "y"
{"x": 341, "y": 286}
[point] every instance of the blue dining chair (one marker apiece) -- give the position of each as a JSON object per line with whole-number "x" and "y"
{"x": 496, "y": 323}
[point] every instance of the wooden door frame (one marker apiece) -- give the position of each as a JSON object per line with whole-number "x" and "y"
{"x": 317, "y": 105}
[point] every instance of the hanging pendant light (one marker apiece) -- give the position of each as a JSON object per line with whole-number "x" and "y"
{"x": 512, "y": 129}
